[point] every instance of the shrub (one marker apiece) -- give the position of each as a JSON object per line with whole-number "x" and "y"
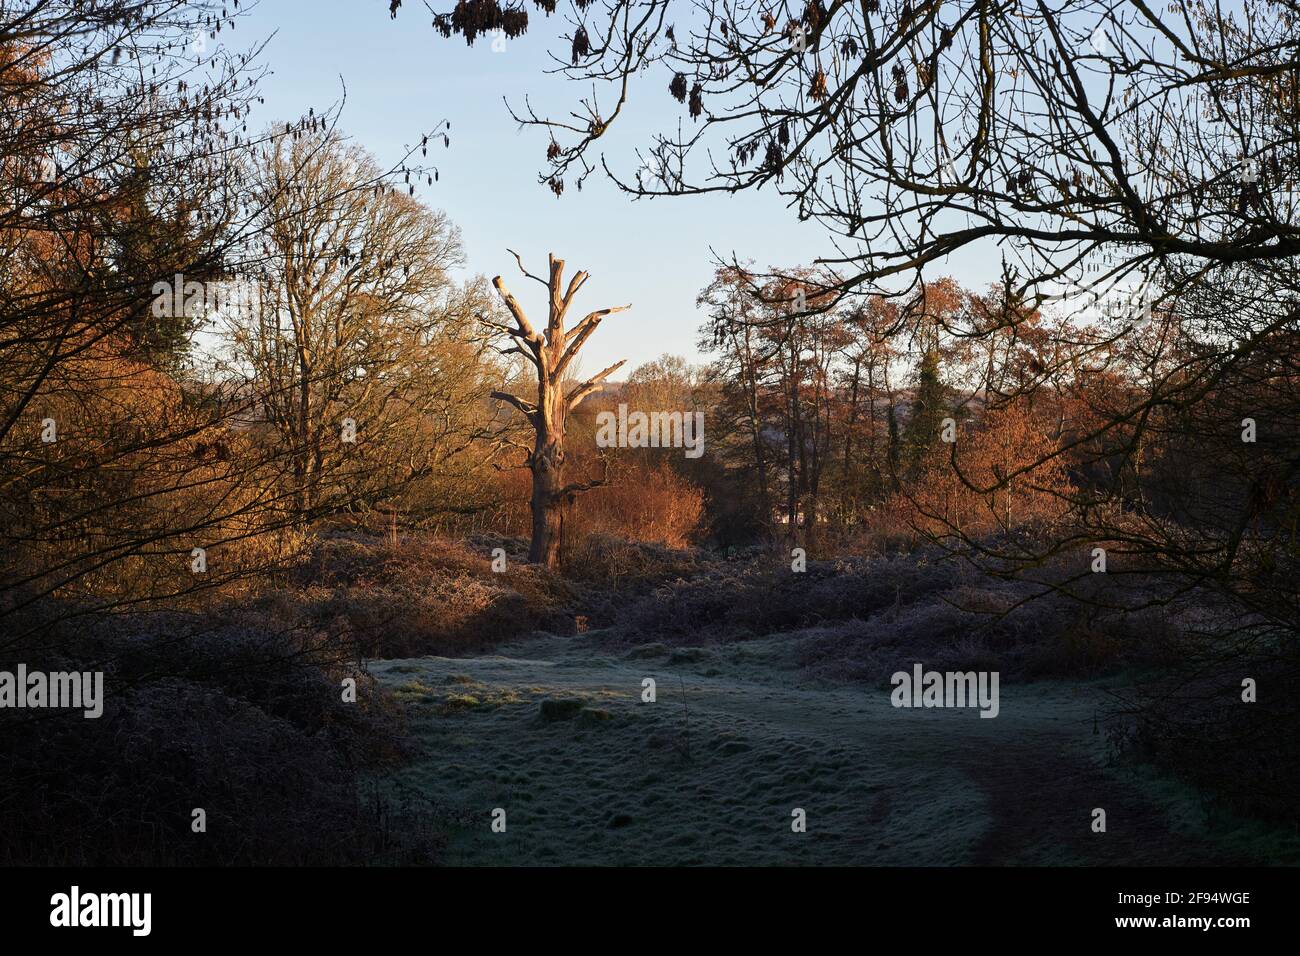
{"x": 248, "y": 725}
{"x": 1245, "y": 756}
{"x": 421, "y": 595}
{"x": 641, "y": 502}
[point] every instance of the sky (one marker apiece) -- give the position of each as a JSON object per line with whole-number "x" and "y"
{"x": 402, "y": 78}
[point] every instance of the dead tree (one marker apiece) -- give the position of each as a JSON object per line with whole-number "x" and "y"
{"x": 551, "y": 356}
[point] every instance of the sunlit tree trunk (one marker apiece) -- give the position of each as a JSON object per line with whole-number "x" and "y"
{"x": 551, "y": 354}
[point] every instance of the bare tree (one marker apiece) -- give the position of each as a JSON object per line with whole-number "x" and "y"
{"x": 354, "y": 345}
{"x": 551, "y": 355}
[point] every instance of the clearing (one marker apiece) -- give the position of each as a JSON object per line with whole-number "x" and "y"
{"x": 554, "y": 731}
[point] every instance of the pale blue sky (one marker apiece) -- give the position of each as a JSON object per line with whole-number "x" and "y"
{"x": 402, "y": 78}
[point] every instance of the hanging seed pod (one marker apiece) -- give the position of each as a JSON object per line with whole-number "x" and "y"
{"x": 697, "y": 100}
{"x": 769, "y": 22}
{"x": 678, "y": 87}
{"x": 772, "y": 159}
{"x": 818, "y": 89}
{"x": 581, "y": 44}
{"x": 552, "y": 151}
{"x": 783, "y": 135}
{"x": 813, "y": 14}
{"x": 513, "y": 23}
{"x": 557, "y": 186}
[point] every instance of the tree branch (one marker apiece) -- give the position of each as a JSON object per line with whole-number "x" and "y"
{"x": 526, "y": 330}
{"x": 592, "y": 384}
{"x": 574, "y": 340}
{"x": 528, "y": 408}
{"x": 577, "y": 487}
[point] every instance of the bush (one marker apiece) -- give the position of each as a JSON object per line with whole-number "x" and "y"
{"x": 421, "y": 595}
{"x": 1194, "y": 723}
{"x": 247, "y": 724}
{"x": 762, "y": 595}
{"x": 644, "y": 502}
{"x": 617, "y": 564}
{"x": 865, "y": 618}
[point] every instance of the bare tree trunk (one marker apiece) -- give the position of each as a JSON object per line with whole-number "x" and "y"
{"x": 550, "y": 355}
{"x": 850, "y": 489}
{"x": 749, "y": 369}
{"x": 547, "y": 466}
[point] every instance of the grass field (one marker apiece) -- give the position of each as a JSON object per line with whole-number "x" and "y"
{"x": 554, "y": 731}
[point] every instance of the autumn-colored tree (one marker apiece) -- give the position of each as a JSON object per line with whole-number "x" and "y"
{"x": 115, "y": 466}
{"x": 998, "y": 477}
{"x": 129, "y": 473}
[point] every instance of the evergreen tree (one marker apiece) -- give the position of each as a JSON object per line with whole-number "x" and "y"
{"x": 929, "y": 408}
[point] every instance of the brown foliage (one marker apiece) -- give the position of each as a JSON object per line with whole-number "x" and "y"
{"x": 1000, "y": 475}
{"x": 643, "y": 501}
